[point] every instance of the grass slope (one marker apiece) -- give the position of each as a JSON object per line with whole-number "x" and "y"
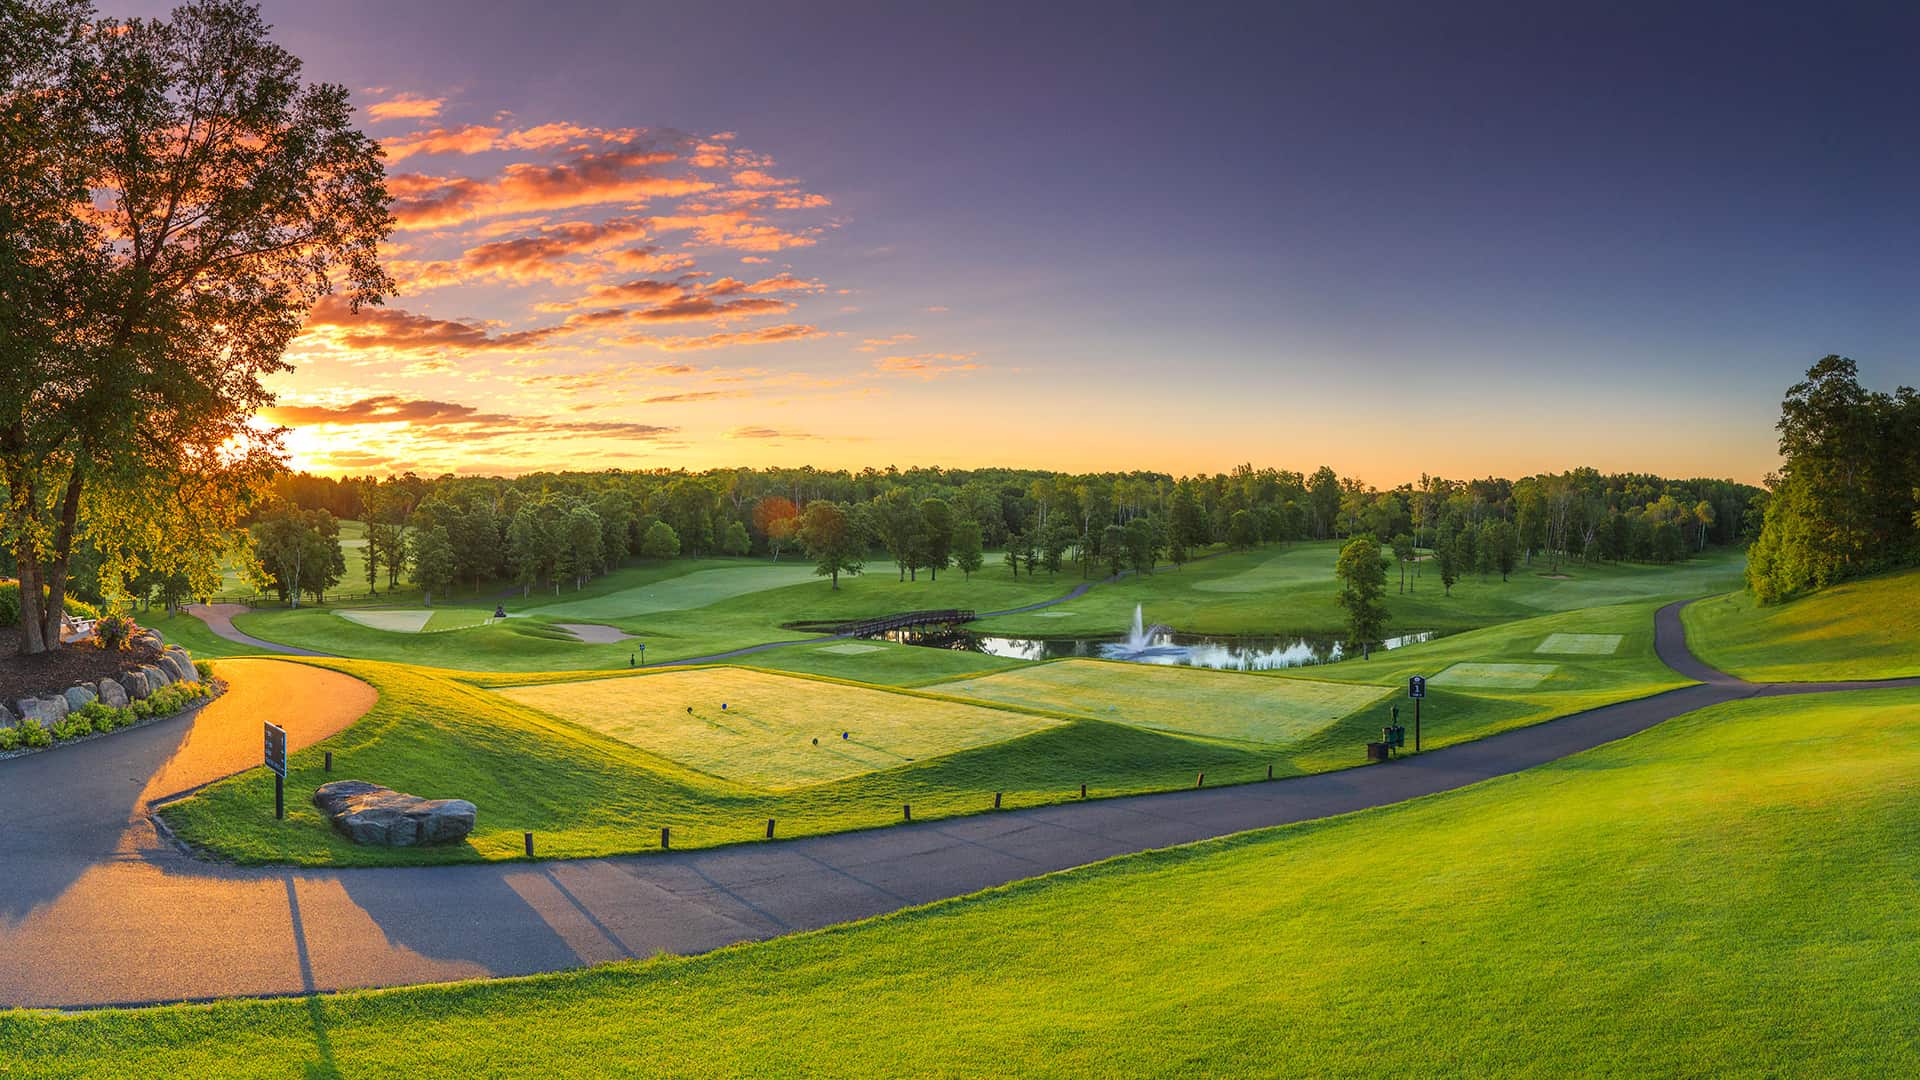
{"x": 1866, "y": 629}
{"x": 1729, "y": 894}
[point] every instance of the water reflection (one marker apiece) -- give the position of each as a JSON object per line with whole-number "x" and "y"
{"x": 1164, "y": 647}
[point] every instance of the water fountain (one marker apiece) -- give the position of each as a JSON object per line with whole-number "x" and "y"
{"x": 1145, "y": 643}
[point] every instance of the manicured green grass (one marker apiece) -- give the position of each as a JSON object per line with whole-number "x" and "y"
{"x": 587, "y": 794}
{"x": 683, "y": 592}
{"x": 1216, "y": 704}
{"x": 1281, "y": 590}
{"x": 1729, "y": 894}
{"x": 1272, "y": 590}
{"x": 1866, "y": 629}
{"x": 774, "y": 732}
{"x": 193, "y": 635}
{"x": 879, "y": 662}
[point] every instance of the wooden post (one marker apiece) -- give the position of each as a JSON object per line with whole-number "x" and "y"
{"x": 529, "y": 838}
{"x": 769, "y": 828}
{"x": 1200, "y": 781}
{"x": 329, "y": 761}
{"x": 666, "y": 837}
{"x": 906, "y": 811}
{"x": 996, "y": 800}
{"x": 1269, "y": 772}
{"x": 1083, "y": 791}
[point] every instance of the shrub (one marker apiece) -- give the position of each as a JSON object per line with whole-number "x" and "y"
{"x": 105, "y": 717}
{"x": 10, "y": 605}
{"x": 113, "y": 632}
{"x": 205, "y": 670}
{"x": 9, "y": 739}
{"x": 72, "y": 726}
{"x": 143, "y": 708}
{"x": 33, "y": 734}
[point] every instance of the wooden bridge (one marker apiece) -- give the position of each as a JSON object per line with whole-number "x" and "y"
{"x": 881, "y": 625}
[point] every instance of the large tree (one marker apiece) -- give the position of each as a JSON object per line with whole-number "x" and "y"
{"x": 833, "y": 540}
{"x": 1363, "y": 586}
{"x": 174, "y": 199}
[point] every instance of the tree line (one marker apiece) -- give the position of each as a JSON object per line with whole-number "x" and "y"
{"x": 552, "y": 530}
{"x": 1846, "y": 499}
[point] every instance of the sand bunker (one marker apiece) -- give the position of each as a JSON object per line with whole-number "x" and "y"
{"x": 594, "y": 633}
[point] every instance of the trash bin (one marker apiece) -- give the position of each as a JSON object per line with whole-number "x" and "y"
{"x": 1376, "y": 751}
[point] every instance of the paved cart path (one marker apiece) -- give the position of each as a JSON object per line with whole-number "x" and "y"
{"x": 96, "y": 910}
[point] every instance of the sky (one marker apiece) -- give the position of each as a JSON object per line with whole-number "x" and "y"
{"x": 1394, "y": 238}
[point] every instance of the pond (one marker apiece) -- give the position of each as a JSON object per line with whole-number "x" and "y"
{"x": 1157, "y": 646}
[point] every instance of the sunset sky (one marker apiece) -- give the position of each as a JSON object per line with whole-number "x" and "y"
{"x": 1389, "y": 238}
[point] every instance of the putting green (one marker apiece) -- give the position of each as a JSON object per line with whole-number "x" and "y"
{"x": 1494, "y": 676}
{"x": 1222, "y": 704}
{"x": 776, "y": 732}
{"x": 1581, "y": 644}
{"x": 417, "y": 620}
{"x": 850, "y": 648}
{"x": 395, "y": 621}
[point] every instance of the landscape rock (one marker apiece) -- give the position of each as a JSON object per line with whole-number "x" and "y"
{"x": 49, "y": 711}
{"x": 370, "y": 814}
{"x": 177, "y": 661}
{"x": 79, "y": 697}
{"x": 135, "y": 684}
{"x": 7, "y": 716}
{"x": 157, "y": 676}
{"x": 113, "y": 694}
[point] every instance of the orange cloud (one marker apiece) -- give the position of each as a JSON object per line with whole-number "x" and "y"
{"x": 926, "y": 365}
{"x": 765, "y": 335}
{"x": 422, "y": 417}
{"x": 583, "y": 179}
{"x": 402, "y": 330}
{"x": 406, "y": 107}
{"x": 481, "y": 138}
{"x": 874, "y": 344}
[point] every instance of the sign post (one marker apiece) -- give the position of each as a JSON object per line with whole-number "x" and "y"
{"x": 277, "y": 762}
{"x": 1417, "y": 690}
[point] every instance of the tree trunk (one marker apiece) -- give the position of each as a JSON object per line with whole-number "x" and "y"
{"x": 32, "y": 639}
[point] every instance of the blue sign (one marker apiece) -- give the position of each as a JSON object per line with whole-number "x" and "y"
{"x": 1417, "y": 686}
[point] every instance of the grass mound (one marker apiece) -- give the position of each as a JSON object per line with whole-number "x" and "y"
{"x": 1727, "y": 894}
{"x": 1866, "y": 629}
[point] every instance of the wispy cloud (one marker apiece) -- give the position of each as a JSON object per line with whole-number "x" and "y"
{"x": 927, "y": 365}
{"x": 406, "y": 107}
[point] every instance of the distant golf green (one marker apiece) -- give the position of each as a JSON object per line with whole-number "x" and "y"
{"x": 1727, "y": 894}
{"x": 1290, "y": 589}
{"x": 1218, "y": 704}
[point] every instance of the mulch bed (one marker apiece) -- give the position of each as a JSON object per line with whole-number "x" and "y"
{"x": 50, "y": 673}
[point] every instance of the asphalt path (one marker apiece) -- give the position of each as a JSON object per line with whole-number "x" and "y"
{"x": 96, "y": 909}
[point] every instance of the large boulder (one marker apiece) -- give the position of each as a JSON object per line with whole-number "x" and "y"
{"x": 49, "y": 711}
{"x": 179, "y": 665}
{"x": 134, "y": 683}
{"x": 113, "y": 694}
{"x": 157, "y": 676}
{"x": 79, "y": 697}
{"x": 371, "y": 814}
